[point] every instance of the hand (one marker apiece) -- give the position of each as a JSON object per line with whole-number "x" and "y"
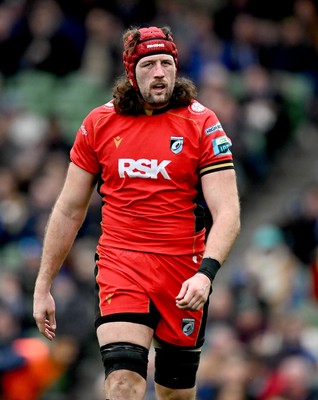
{"x": 194, "y": 293}
{"x": 44, "y": 314}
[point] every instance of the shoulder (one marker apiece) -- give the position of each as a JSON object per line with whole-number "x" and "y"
{"x": 198, "y": 111}
{"x": 199, "y": 114}
{"x": 102, "y": 111}
{"x": 197, "y": 108}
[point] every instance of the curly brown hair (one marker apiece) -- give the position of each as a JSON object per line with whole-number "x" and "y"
{"x": 128, "y": 101}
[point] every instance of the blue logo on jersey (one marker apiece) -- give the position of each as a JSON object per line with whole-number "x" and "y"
{"x": 221, "y": 145}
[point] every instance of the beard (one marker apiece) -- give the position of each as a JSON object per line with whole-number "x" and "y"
{"x": 156, "y": 100}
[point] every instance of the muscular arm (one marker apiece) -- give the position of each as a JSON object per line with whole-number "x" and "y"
{"x": 65, "y": 220}
{"x": 221, "y": 195}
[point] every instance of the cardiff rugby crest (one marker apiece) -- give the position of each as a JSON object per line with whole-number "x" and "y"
{"x": 188, "y": 326}
{"x": 176, "y": 144}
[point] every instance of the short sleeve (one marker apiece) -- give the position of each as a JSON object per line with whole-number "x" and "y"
{"x": 82, "y": 153}
{"x": 215, "y": 147}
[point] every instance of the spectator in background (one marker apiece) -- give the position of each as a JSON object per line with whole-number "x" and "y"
{"x": 266, "y": 114}
{"x": 203, "y": 47}
{"x": 294, "y": 52}
{"x": 307, "y": 13}
{"x": 42, "y": 40}
{"x": 222, "y": 345}
{"x": 241, "y": 51}
{"x": 42, "y": 366}
{"x": 10, "y": 329}
{"x": 300, "y": 225}
{"x": 100, "y": 58}
{"x": 226, "y": 14}
{"x": 134, "y": 12}
{"x": 267, "y": 127}
{"x": 274, "y": 269}
{"x": 293, "y": 379}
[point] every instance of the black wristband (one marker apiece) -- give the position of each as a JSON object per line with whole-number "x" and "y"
{"x": 209, "y": 267}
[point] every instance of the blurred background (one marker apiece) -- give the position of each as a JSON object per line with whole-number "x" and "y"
{"x": 255, "y": 64}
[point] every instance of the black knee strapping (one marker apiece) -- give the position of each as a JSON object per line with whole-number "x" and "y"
{"x": 124, "y": 355}
{"x": 176, "y": 368}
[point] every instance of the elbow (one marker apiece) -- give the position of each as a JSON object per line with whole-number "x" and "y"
{"x": 72, "y": 215}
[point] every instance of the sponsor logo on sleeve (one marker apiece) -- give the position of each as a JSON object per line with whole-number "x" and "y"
{"x": 213, "y": 128}
{"x": 221, "y": 145}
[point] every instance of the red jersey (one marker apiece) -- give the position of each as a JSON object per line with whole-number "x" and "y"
{"x": 150, "y": 168}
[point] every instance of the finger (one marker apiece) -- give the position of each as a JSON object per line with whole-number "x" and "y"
{"x": 191, "y": 303}
{"x": 52, "y": 321}
{"x": 49, "y": 331}
{"x": 180, "y": 305}
{"x": 48, "y": 334}
{"x": 40, "y": 322}
{"x": 197, "y": 306}
{"x": 182, "y": 292}
{"x": 183, "y": 304}
{"x": 45, "y": 327}
{"x": 49, "y": 326}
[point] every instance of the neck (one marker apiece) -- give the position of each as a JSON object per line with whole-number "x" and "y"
{"x": 158, "y": 110}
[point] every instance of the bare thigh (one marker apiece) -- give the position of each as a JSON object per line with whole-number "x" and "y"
{"x": 121, "y": 331}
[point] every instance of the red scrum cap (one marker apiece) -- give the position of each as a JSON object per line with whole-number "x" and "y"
{"x": 145, "y": 42}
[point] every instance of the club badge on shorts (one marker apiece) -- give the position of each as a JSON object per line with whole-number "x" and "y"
{"x": 187, "y": 326}
{"x": 176, "y": 144}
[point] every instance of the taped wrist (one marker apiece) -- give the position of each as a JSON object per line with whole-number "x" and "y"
{"x": 209, "y": 267}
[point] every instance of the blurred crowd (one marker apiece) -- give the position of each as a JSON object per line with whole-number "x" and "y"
{"x": 255, "y": 64}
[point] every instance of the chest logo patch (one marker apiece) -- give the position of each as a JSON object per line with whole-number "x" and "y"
{"x": 176, "y": 144}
